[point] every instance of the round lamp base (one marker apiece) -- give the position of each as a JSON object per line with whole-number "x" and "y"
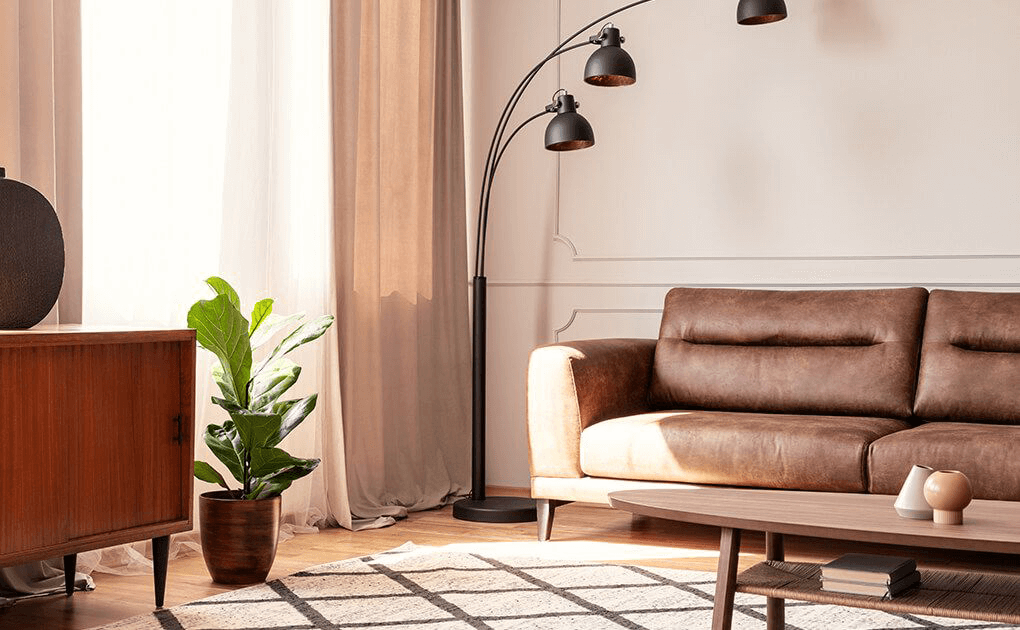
{"x": 496, "y": 510}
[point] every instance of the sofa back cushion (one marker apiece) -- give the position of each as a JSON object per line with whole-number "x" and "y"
{"x": 970, "y": 358}
{"x": 816, "y": 352}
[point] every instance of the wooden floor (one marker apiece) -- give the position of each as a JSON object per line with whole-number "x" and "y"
{"x": 581, "y": 531}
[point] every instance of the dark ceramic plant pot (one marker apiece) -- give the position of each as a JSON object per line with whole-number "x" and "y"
{"x": 238, "y": 536}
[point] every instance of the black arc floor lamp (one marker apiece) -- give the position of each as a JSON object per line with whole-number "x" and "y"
{"x": 608, "y": 66}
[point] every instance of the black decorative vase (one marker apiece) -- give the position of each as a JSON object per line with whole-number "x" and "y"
{"x": 31, "y": 255}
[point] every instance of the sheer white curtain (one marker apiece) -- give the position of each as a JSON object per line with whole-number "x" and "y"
{"x": 206, "y": 134}
{"x": 40, "y": 145}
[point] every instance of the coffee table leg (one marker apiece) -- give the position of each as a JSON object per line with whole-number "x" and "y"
{"x": 775, "y": 611}
{"x": 726, "y": 579}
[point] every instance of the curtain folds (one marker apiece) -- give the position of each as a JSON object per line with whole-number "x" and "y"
{"x": 214, "y": 159}
{"x": 203, "y": 133}
{"x": 40, "y": 120}
{"x": 40, "y": 145}
{"x": 399, "y": 225}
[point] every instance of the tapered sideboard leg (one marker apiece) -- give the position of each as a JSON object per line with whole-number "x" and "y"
{"x": 70, "y": 565}
{"x": 160, "y": 557}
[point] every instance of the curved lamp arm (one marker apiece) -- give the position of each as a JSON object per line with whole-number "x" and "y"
{"x": 499, "y": 156}
{"x": 497, "y": 141}
{"x": 484, "y": 224}
{"x": 496, "y": 151}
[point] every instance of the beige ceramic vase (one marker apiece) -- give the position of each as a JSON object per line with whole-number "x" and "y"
{"x": 948, "y": 492}
{"x": 911, "y": 502}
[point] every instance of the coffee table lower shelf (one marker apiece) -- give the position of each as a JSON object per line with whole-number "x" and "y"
{"x": 958, "y": 594}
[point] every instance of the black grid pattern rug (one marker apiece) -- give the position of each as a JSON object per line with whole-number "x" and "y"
{"x": 423, "y": 588}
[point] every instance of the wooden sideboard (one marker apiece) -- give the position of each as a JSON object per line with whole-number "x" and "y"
{"x": 96, "y": 441}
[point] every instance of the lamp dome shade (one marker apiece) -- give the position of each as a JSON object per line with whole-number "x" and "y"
{"x": 568, "y": 130}
{"x": 751, "y": 12}
{"x": 610, "y": 66}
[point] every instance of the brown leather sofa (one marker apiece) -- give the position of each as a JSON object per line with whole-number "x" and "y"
{"x": 838, "y": 391}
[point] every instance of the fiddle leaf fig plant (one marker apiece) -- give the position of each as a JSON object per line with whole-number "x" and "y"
{"x": 248, "y": 443}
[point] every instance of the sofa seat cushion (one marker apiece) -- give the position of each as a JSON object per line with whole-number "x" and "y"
{"x": 986, "y": 453}
{"x": 794, "y": 452}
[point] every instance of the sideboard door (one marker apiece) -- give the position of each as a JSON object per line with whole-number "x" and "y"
{"x": 33, "y": 450}
{"x": 128, "y": 439}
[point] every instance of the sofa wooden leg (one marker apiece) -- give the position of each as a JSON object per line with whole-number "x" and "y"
{"x": 546, "y": 511}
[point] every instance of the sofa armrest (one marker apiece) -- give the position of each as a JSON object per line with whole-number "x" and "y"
{"x": 574, "y": 385}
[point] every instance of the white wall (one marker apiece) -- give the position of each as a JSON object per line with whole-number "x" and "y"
{"x": 857, "y": 143}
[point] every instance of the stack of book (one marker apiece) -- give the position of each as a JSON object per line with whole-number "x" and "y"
{"x": 866, "y": 574}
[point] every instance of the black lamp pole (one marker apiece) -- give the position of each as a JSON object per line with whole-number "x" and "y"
{"x": 608, "y": 66}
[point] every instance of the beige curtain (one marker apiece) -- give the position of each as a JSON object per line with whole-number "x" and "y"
{"x": 40, "y": 145}
{"x": 40, "y": 119}
{"x": 399, "y": 214}
{"x": 242, "y": 91}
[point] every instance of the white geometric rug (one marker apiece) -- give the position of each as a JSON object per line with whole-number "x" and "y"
{"x": 422, "y": 588}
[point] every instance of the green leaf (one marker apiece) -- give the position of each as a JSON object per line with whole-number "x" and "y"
{"x": 281, "y": 408}
{"x": 292, "y": 413}
{"x": 222, "y": 287}
{"x": 270, "y": 489}
{"x": 272, "y": 325}
{"x": 280, "y": 481}
{"x": 262, "y": 310}
{"x": 266, "y": 462}
{"x": 230, "y": 432}
{"x": 219, "y": 377}
{"x": 227, "y": 405}
{"x": 256, "y": 429}
{"x": 207, "y": 473}
{"x": 271, "y": 383}
{"x": 278, "y": 484}
{"x": 309, "y": 331}
{"x": 220, "y": 441}
{"x": 222, "y": 330}
{"x": 256, "y": 491}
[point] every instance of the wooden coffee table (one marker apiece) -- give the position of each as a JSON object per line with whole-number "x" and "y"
{"x": 990, "y": 526}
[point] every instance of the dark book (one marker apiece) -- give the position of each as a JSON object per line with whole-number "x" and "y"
{"x": 868, "y": 568}
{"x": 870, "y": 588}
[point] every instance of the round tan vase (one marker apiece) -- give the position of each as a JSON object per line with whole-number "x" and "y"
{"x": 948, "y": 492}
{"x": 238, "y": 536}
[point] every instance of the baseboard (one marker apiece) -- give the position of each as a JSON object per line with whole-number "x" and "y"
{"x": 507, "y": 491}
{"x": 513, "y": 491}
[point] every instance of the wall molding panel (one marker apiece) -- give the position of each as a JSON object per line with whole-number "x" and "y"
{"x": 612, "y": 311}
